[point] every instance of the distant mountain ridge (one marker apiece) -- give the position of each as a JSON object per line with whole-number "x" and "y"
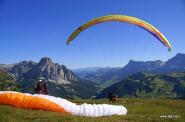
{"x": 175, "y": 64}
{"x": 93, "y": 73}
{"x": 6, "y": 67}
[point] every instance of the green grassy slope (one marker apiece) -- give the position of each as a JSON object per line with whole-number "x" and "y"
{"x": 149, "y": 85}
{"x": 7, "y": 83}
{"x": 139, "y": 110}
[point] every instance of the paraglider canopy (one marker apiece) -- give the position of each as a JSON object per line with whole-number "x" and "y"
{"x": 122, "y": 18}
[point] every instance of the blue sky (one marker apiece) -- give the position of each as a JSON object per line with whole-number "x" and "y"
{"x": 31, "y": 29}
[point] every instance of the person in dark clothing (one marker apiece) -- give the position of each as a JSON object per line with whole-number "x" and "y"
{"x": 41, "y": 87}
{"x": 112, "y": 97}
{"x": 36, "y": 88}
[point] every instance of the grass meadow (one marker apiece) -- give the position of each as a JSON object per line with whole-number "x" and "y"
{"x": 139, "y": 110}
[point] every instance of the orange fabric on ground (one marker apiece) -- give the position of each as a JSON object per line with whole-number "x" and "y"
{"x": 31, "y": 102}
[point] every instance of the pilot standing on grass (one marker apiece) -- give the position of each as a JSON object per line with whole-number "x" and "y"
{"x": 41, "y": 87}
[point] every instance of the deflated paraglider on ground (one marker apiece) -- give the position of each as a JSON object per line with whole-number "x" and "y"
{"x": 56, "y": 104}
{"x": 126, "y": 19}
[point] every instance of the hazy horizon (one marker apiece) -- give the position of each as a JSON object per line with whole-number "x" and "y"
{"x": 76, "y": 68}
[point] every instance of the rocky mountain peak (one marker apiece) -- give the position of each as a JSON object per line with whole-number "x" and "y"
{"x": 46, "y": 68}
{"x": 22, "y": 67}
{"x": 131, "y": 61}
{"x": 177, "y": 61}
{"x": 45, "y": 60}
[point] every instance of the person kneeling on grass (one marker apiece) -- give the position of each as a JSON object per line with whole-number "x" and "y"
{"x": 41, "y": 87}
{"x": 112, "y": 97}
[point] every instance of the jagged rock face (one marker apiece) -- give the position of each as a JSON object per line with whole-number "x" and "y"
{"x": 22, "y": 67}
{"x": 61, "y": 81}
{"x": 45, "y": 68}
{"x": 140, "y": 65}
